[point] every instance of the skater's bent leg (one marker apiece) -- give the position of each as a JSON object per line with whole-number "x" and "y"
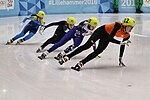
{"x": 94, "y": 37}
{"x": 18, "y": 36}
{"x": 77, "y": 41}
{"x": 64, "y": 40}
{"x": 87, "y": 45}
{"x": 23, "y": 32}
{"x": 49, "y": 41}
{"x": 69, "y": 48}
{"x": 31, "y": 34}
{"x": 101, "y": 47}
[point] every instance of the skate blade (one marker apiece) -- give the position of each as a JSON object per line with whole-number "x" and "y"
{"x": 60, "y": 62}
{"x": 99, "y": 56}
{"x": 7, "y": 44}
{"x": 75, "y": 69}
{"x": 42, "y": 51}
{"x": 40, "y": 57}
{"x": 56, "y": 58}
{"x": 17, "y": 43}
{"x": 38, "y": 51}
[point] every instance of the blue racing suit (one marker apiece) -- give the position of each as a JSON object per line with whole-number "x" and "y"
{"x": 75, "y": 34}
{"x": 32, "y": 27}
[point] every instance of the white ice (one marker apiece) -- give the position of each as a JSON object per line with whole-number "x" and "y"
{"x": 24, "y": 77}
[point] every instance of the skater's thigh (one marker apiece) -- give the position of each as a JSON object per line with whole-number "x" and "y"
{"x": 77, "y": 41}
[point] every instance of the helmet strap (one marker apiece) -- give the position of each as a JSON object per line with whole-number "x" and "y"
{"x": 125, "y": 29}
{"x": 67, "y": 25}
{"x": 88, "y": 27}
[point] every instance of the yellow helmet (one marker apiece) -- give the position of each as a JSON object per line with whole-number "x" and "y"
{"x": 128, "y": 21}
{"x": 71, "y": 20}
{"x": 41, "y": 14}
{"x": 93, "y": 21}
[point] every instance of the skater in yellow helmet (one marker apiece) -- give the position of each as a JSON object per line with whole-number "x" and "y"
{"x": 105, "y": 34}
{"x": 77, "y": 33}
{"x": 63, "y": 27}
{"x": 36, "y": 20}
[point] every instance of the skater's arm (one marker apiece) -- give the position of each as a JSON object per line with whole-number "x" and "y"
{"x": 82, "y": 23}
{"x": 70, "y": 34}
{"x": 55, "y": 23}
{"x": 115, "y": 41}
{"x": 42, "y": 22}
{"x": 122, "y": 48}
{"x": 117, "y": 26}
{"x": 29, "y": 17}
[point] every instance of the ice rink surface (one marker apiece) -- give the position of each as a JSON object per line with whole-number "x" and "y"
{"x": 24, "y": 77}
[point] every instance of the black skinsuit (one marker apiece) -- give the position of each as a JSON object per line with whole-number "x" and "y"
{"x": 59, "y": 32}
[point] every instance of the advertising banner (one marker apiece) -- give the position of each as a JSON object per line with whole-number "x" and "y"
{"x": 146, "y": 6}
{"x": 126, "y": 6}
{"x": 6, "y": 4}
{"x": 71, "y": 6}
{"x": 106, "y": 6}
{"x": 146, "y": 3}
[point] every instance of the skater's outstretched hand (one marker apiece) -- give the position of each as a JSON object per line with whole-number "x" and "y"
{"x": 121, "y": 62}
{"x": 126, "y": 42}
{"x": 21, "y": 25}
{"x": 41, "y": 30}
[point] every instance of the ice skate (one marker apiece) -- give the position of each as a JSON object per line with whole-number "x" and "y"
{"x": 39, "y": 49}
{"x": 41, "y": 30}
{"x": 19, "y": 41}
{"x": 77, "y": 67}
{"x": 63, "y": 60}
{"x": 59, "y": 56}
{"x": 43, "y": 55}
{"x": 9, "y": 42}
{"x": 121, "y": 62}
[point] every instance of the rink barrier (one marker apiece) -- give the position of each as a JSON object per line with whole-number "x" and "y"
{"x": 27, "y": 7}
